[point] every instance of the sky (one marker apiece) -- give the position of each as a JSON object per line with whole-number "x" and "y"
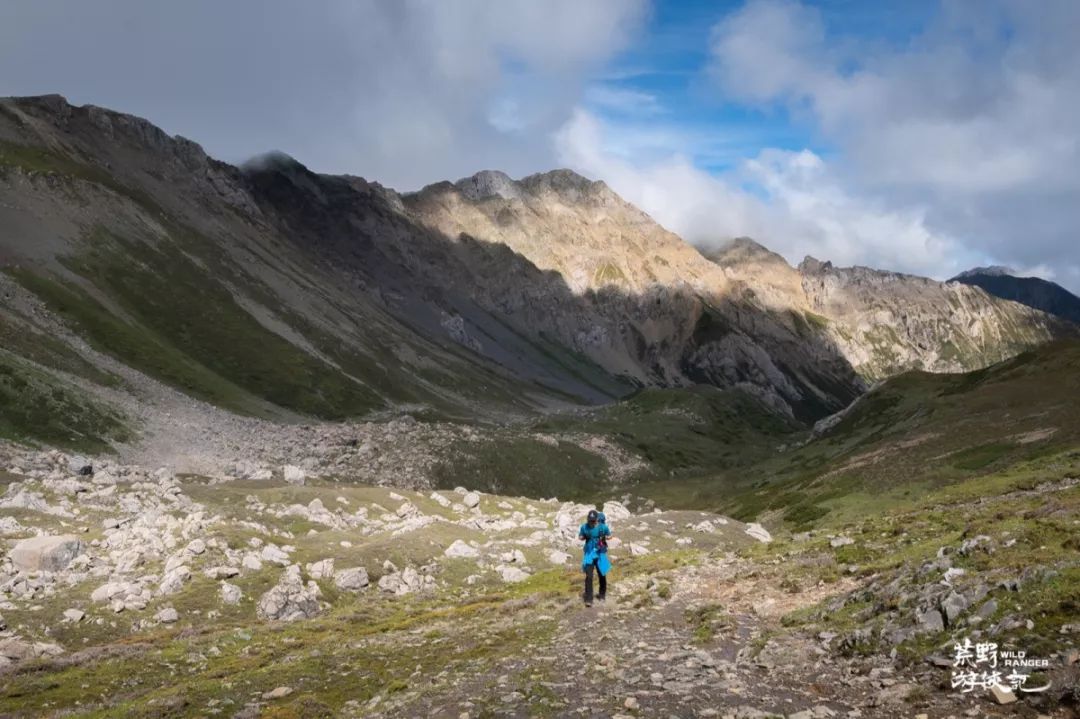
{"x": 925, "y": 136}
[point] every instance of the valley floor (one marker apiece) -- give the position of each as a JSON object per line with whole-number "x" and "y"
{"x": 186, "y": 596}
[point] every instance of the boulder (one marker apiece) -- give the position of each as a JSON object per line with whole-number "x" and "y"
{"x": 230, "y": 593}
{"x": 323, "y": 569}
{"x": 353, "y": 579}
{"x": 290, "y": 599}
{"x": 293, "y": 474}
{"x": 512, "y": 574}
{"x": 470, "y": 500}
{"x": 49, "y": 553}
{"x": 461, "y": 549}
{"x": 637, "y": 550}
{"x": 930, "y": 621}
{"x": 557, "y": 557}
{"x": 758, "y": 532}
{"x": 952, "y": 607}
{"x": 168, "y": 615}
{"x": 274, "y": 555}
{"x": 174, "y": 581}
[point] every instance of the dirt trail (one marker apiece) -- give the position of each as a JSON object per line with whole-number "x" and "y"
{"x": 708, "y": 646}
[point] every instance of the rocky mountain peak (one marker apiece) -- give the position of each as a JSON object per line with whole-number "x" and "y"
{"x": 813, "y": 266}
{"x": 744, "y": 250}
{"x": 488, "y": 183}
{"x": 991, "y": 271}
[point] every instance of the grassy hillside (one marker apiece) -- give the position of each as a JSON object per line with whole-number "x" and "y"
{"x": 36, "y": 407}
{"x": 913, "y": 434}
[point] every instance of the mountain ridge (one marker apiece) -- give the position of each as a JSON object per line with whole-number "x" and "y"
{"x": 540, "y": 291}
{"x": 1034, "y": 292}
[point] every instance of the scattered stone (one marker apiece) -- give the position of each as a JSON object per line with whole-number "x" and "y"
{"x": 323, "y": 569}
{"x": 290, "y": 599}
{"x": 294, "y": 475}
{"x": 758, "y": 532}
{"x": 352, "y": 580}
{"x": 279, "y": 693}
{"x": 461, "y": 549}
{"x": 230, "y": 593}
{"x": 470, "y": 500}
{"x": 168, "y": 615}
{"x": 931, "y": 621}
{"x": 558, "y": 557}
{"x": 274, "y": 555}
{"x": 637, "y": 550}
{"x": 838, "y": 542}
{"x": 1003, "y": 695}
{"x": 512, "y": 574}
{"x": 74, "y": 615}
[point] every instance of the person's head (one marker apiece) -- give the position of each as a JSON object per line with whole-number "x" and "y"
{"x": 592, "y": 517}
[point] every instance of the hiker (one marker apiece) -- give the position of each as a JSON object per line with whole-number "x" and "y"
{"x": 595, "y": 535}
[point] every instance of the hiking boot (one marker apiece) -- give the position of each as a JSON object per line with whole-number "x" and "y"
{"x": 588, "y": 604}
{"x": 601, "y": 598}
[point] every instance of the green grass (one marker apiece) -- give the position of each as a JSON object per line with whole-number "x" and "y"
{"x": 19, "y": 337}
{"x": 685, "y": 431}
{"x": 188, "y": 331}
{"x": 525, "y": 466}
{"x": 36, "y": 407}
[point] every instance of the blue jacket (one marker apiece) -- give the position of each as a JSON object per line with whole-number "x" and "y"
{"x": 592, "y": 550}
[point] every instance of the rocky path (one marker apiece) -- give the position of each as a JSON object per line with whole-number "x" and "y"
{"x": 705, "y": 641}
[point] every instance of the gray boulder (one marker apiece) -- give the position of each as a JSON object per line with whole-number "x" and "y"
{"x": 352, "y": 580}
{"x": 290, "y": 599}
{"x": 47, "y": 553}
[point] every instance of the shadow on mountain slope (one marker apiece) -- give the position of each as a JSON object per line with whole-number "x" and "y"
{"x": 272, "y": 287}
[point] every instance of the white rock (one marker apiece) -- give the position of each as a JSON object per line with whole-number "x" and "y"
{"x": 512, "y": 574}
{"x": 290, "y": 599}
{"x": 168, "y": 615}
{"x": 106, "y": 592}
{"x": 230, "y": 593}
{"x": 758, "y": 532}
{"x": 440, "y": 500}
{"x": 293, "y": 474}
{"x": 251, "y": 562}
{"x": 221, "y": 572}
{"x": 461, "y": 549}
{"x": 470, "y": 500}
{"x": 637, "y": 550}
{"x": 323, "y": 569}
{"x": 557, "y": 557}
{"x": 74, "y": 615}
{"x": 46, "y": 553}
{"x": 274, "y": 555}
{"x": 196, "y": 547}
{"x": 353, "y": 579}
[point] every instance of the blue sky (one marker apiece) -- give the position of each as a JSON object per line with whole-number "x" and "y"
{"x": 923, "y": 136}
{"x": 661, "y": 77}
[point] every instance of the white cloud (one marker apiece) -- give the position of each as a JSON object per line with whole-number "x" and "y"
{"x": 403, "y": 92}
{"x": 790, "y": 201}
{"x": 974, "y": 120}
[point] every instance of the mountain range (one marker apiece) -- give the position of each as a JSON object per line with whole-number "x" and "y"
{"x": 272, "y": 291}
{"x": 1035, "y": 292}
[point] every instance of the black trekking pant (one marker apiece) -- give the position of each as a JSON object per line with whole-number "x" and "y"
{"x": 588, "y": 581}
